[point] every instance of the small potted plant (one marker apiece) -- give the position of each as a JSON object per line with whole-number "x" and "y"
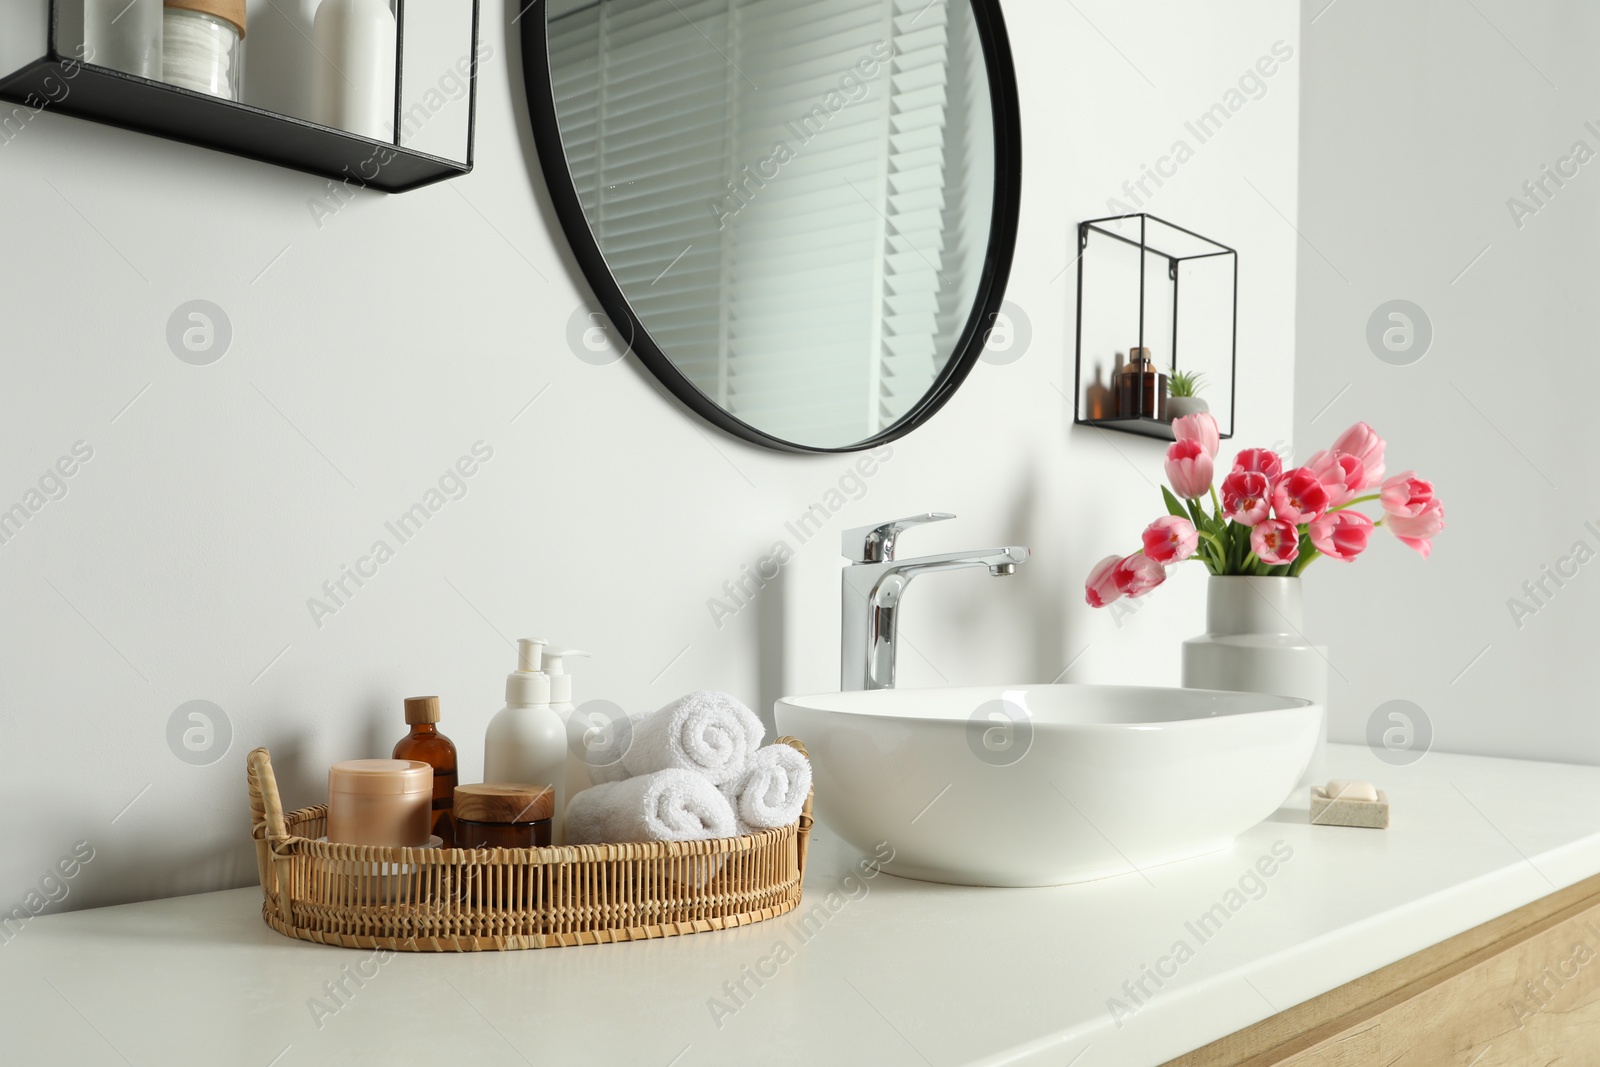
{"x": 1183, "y": 398}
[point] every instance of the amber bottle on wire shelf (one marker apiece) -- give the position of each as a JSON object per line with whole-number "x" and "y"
{"x": 1141, "y": 388}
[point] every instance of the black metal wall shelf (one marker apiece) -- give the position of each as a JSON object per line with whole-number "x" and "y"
{"x": 1145, "y": 283}
{"x": 54, "y": 82}
{"x": 1143, "y": 425}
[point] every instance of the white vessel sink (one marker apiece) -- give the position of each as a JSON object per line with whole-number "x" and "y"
{"x": 1047, "y": 784}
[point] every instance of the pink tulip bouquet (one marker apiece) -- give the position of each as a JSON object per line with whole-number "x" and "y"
{"x": 1269, "y": 521}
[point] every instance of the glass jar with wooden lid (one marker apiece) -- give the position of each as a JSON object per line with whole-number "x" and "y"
{"x": 501, "y": 815}
{"x": 203, "y": 47}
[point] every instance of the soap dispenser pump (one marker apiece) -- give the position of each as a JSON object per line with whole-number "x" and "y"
{"x": 561, "y": 703}
{"x": 526, "y": 742}
{"x": 560, "y": 680}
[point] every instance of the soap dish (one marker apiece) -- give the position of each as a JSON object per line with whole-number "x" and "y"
{"x": 1330, "y": 811}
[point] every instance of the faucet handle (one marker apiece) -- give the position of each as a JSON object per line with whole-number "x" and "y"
{"x": 875, "y": 544}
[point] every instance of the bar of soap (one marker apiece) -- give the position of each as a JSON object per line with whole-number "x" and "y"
{"x": 1350, "y": 789}
{"x": 1328, "y": 808}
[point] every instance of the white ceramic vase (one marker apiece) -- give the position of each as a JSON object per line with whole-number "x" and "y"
{"x": 1255, "y": 643}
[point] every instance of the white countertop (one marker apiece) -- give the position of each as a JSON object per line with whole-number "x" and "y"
{"x": 900, "y": 973}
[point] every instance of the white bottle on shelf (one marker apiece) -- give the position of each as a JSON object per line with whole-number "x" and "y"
{"x": 352, "y": 84}
{"x": 526, "y": 742}
{"x": 122, "y": 35}
{"x": 561, "y": 704}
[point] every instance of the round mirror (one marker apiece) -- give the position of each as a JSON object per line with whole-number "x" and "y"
{"x": 799, "y": 215}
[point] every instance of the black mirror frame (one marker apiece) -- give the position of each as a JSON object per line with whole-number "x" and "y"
{"x": 991, "y": 283}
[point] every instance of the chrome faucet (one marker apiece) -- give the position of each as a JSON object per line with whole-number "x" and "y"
{"x": 875, "y": 581}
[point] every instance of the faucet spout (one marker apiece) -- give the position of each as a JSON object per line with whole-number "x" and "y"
{"x": 871, "y": 592}
{"x": 998, "y": 560}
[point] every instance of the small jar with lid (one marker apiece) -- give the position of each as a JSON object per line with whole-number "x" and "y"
{"x": 380, "y": 802}
{"x": 504, "y": 816}
{"x": 203, "y": 46}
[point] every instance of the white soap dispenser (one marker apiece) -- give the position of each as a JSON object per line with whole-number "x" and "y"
{"x": 561, "y": 703}
{"x": 526, "y": 742}
{"x": 560, "y": 680}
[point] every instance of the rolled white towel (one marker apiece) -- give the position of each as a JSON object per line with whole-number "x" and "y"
{"x": 668, "y": 805}
{"x": 772, "y": 791}
{"x": 710, "y": 733}
{"x": 610, "y": 772}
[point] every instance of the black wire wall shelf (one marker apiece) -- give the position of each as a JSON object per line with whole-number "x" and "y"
{"x": 1175, "y": 296}
{"x": 40, "y": 72}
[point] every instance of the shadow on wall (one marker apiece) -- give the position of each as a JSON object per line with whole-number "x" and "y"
{"x": 771, "y": 635}
{"x": 981, "y": 608}
{"x": 94, "y": 871}
{"x": 1048, "y": 611}
{"x": 113, "y": 867}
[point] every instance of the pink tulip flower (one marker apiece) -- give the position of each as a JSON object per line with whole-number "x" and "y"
{"x": 1246, "y": 497}
{"x": 1341, "y": 535}
{"x": 1405, "y": 495}
{"x": 1137, "y": 574}
{"x": 1201, "y": 427}
{"x": 1417, "y": 531}
{"x": 1261, "y": 460}
{"x": 1363, "y": 442}
{"x": 1101, "y": 589}
{"x": 1170, "y": 539}
{"x": 1342, "y": 474}
{"x": 1275, "y": 541}
{"x": 1299, "y": 497}
{"x": 1189, "y": 469}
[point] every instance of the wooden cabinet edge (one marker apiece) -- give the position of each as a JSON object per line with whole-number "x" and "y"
{"x": 1340, "y": 1018}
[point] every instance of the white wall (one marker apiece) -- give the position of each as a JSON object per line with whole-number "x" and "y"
{"x": 1420, "y": 122}
{"x": 370, "y": 353}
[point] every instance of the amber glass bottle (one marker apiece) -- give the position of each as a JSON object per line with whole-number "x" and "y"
{"x": 427, "y": 744}
{"x": 1141, "y": 389}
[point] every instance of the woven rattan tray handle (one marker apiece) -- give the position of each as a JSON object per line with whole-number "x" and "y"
{"x": 269, "y": 830}
{"x": 803, "y": 837}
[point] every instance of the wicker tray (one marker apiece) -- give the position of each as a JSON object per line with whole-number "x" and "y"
{"x": 461, "y": 900}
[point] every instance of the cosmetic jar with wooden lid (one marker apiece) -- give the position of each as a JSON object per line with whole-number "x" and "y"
{"x": 504, "y": 815}
{"x": 380, "y": 802}
{"x": 203, "y": 46}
